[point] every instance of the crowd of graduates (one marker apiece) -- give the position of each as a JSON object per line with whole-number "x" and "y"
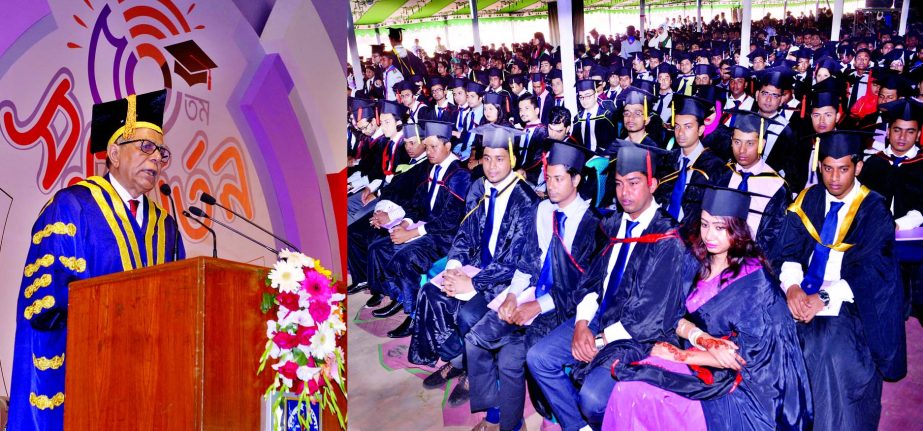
{"x": 746, "y": 237}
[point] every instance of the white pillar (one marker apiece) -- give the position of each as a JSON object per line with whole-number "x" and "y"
{"x": 817, "y": 10}
{"x": 473, "y": 4}
{"x": 745, "y": 22}
{"x": 353, "y": 48}
{"x": 445, "y": 26}
{"x": 905, "y": 10}
{"x": 837, "y": 20}
{"x": 377, "y": 34}
{"x": 641, "y": 36}
{"x": 566, "y": 37}
{"x": 784, "y": 10}
{"x": 698, "y": 14}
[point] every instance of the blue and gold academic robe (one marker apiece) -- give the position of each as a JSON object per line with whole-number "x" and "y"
{"x": 84, "y": 231}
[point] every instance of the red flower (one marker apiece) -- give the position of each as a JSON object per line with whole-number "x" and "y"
{"x": 313, "y": 386}
{"x": 320, "y": 310}
{"x": 285, "y": 340}
{"x": 304, "y": 334}
{"x": 288, "y": 300}
{"x": 289, "y": 370}
{"x": 298, "y": 387}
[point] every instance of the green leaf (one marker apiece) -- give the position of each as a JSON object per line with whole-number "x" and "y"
{"x": 268, "y": 303}
{"x": 300, "y": 358}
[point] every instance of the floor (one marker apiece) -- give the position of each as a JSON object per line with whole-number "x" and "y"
{"x": 386, "y": 392}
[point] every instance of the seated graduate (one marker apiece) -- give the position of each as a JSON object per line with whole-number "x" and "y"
{"x": 594, "y": 125}
{"x": 717, "y": 136}
{"x": 842, "y": 283}
{"x": 422, "y": 232}
{"x": 531, "y": 143}
{"x": 565, "y": 238}
{"x": 897, "y": 172}
{"x": 748, "y": 172}
{"x": 692, "y": 161}
{"x": 633, "y": 104}
{"x": 499, "y": 214}
{"x": 826, "y": 112}
{"x": 630, "y": 297}
{"x": 395, "y": 196}
{"x": 388, "y": 152}
{"x": 774, "y": 85}
{"x": 495, "y": 111}
{"x": 443, "y": 109}
{"x": 743, "y": 368}
{"x": 407, "y": 93}
{"x": 470, "y": 115}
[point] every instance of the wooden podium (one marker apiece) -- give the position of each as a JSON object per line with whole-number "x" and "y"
{"x": 170, "y": 347}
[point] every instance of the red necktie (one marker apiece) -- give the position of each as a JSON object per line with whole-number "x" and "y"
{"x": 133, "y": 206}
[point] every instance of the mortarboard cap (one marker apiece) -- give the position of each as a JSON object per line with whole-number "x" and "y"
{"x": 520, "y": 79}
{"x": 780, "y": 78}
{"x": 192, "y": 64}
{"x": 759, "y": 52}
{"x": 120, "y": 118}
{"x": 441, "y": 129}
{"x": 395, "y": 33}
{"x": 537, "y": 77}
{"x": 635, "y": 96}
{"x": 691, "y": 105}
{"x": 414, "y": 130}
{"x": 378, "y": 49}
{"x": 405, "y": 85}
{"x": 475, "y": 87}
{"x": 601, "y": 72}
{"x": 623, "y": 71}
{"x": 807, "y": 53}
{"x": 828, "y": 63}
{"x": 906, "y": 109}
{"x": 437, "y": 80}
{"x": 704, "y": 69}
{"x": 841, "y": 143}
{"x": 493, "y": 71}
{"x": 710, "y": 93}
{"x": 458, "y": 83}
{"x": 495, "y": 99}
{"x": 481, "y": 76}
{"x": 726, "y": 202}
{"x": 631, "y": 158}
{"x": 585, "y": 84}
{"x": 393, "y": 108}
{"x": 666, "y": 68}
{"x": 554, "y": 74}
{"x": 362, "y": 108}
{"x": 655, "y": 53}
{"x": 567, "y": 153}
{"x": 740, "y": 72}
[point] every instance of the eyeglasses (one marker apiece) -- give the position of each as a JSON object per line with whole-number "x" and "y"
{"x": 148, "y": 147}
{"x": 586, "y": 96}
{"x": 768, "y": 94}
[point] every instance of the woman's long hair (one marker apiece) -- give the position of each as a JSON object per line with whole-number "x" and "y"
{"x": 742, "y": 247}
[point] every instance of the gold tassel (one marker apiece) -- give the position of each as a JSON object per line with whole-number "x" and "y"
{"x": 131, "y": 116}
{"x": 673, "y": 113}
{"x": 814, "y": 160}
{"x": 761, "y": 145}
{"x": 645, "y": 106}
{"x": 512, "y": 155}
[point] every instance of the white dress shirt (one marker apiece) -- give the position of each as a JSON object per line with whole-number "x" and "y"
{"x": 588, "y": 306}
{"x": 126, "y": 196}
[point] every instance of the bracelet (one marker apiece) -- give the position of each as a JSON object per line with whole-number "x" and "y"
{"x": 694, "y": 337}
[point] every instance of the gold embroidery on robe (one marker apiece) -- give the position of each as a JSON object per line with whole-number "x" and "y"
{"x": 43, "y": 281}
{"x": 59, "y": 228}
{"x": 42, "y": 402}
{"x": 52, "y": 363}
{"x": 42, "y": 262}
{"x": 38, "y": 306}
{"x": 74, "y": 263}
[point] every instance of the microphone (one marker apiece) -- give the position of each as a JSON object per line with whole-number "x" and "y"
{"x": 210, "y": 200}
{"x": 198, "y": 212}
{"x": 214, "y": 237}
{"x": 165, "y": 190}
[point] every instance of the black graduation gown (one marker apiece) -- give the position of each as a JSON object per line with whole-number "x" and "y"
{"x": 649, "y": 301}
{"x": 848, "y": 355}
{"x": 400, "y": 191}
{"x": 434, "y": 319}
{"x": 422, "y": 113}
{"x": 409, "y": 260}
{"x": 448, "y": 114}
{"x": 603, "y": 127}
{"x": 546, "y": 107}
{"x": 784, "y": 159}
{"x": 704, "y": 171}
{"x": 719, "y": 142}
{"x": 514, "y": 106}
{"x": 773, "y": 390}
{"x": 531, "y": 159}
{"x": 772, "y": 218}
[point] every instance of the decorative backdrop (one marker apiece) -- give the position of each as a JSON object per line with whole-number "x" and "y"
{"x": 257, "y": 131}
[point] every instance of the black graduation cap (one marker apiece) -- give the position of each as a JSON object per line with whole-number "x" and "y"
{"x": 414, "y": 130}
{"x": 192, "y": 64}
{"x": 828, "y": 63}
{"x": 759, "y": 52}
{"x": 636, "y": 56}
{"x": 893, "y": 55}
{"x": 120, "y": 118}
{"x": 750, "y": 122}
{"x": 395, "y": 33}
{"x": 704, "y": 69}
{"x": 726, "y": 202}
{"x": 537, "y": 77}
{"x": 405, "y": 85}
{"x": 893, "y": 81}
{"x": 704, "y": 53}
{"x": 679, "y": 56}
{"x": 807, "y": 53}
{"x": 475, "y": 87}
{"x": 458, "y": 83}
{"x": 437, "y": 80}
{"x": 655, "y": 53}
{"x": 821, "y": 99}
{"x": 636, "y": 96}
{"x": 690, "y": 105}
{"x": 481, "y": 76}
{"x": 544, "y": 57}
{"x": 567, "y": 153}
{"x": 442, "y": 129}
{"x": 520, "y": 79}
{"x": 845, "y": 50}
{"x": 495, "y": 99}
{"x": 601, "y": 72}
{"x": 710, "y": 93}
{"x": 666, "y": 68}
{"x": 787, "y": 64}
{"x": 362, "y": 108}
{"x": 632, "y": 158}
{"x": 393, "y": 108}
{"x": 499, "y": 137}
{"x": 623, "y": 71}
{"x": 740, "y": 72}
{"x": 378, "y": 49}
{"x": 493, "y": 71}
{"x": 841, "y": 143}
{"x": 781, "y": 78}
{"x": 906, "y": 109}
{"x": 645, "y": 85}
{"x": 554, "y": 74}
{"x": 585, "y": 84}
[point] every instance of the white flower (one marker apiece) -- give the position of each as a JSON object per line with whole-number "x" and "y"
{"x": 270, "y": 329}
{"x": 301, "y": 317}
{"x": 336, "y": 297}
{"x": 296, "y": 258}
{"x": 335, "y": 323}
{"x": 306, "y": 373}
{"x": 323, "y": 342}
{"x": 286, "y": 277}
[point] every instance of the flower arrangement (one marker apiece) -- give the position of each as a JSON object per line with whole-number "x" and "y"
{"x": 302, "y": 345}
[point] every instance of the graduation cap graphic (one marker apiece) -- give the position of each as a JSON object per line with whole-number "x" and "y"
{"x": 192, "y": 64}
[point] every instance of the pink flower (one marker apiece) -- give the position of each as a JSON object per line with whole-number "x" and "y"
{"x": 285, "y": 340}
{"x": 289, "y": 370}
{"x": 317, "y": 285}
{"x": 320, "y": 310}
{"x": 298, "y": 387}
